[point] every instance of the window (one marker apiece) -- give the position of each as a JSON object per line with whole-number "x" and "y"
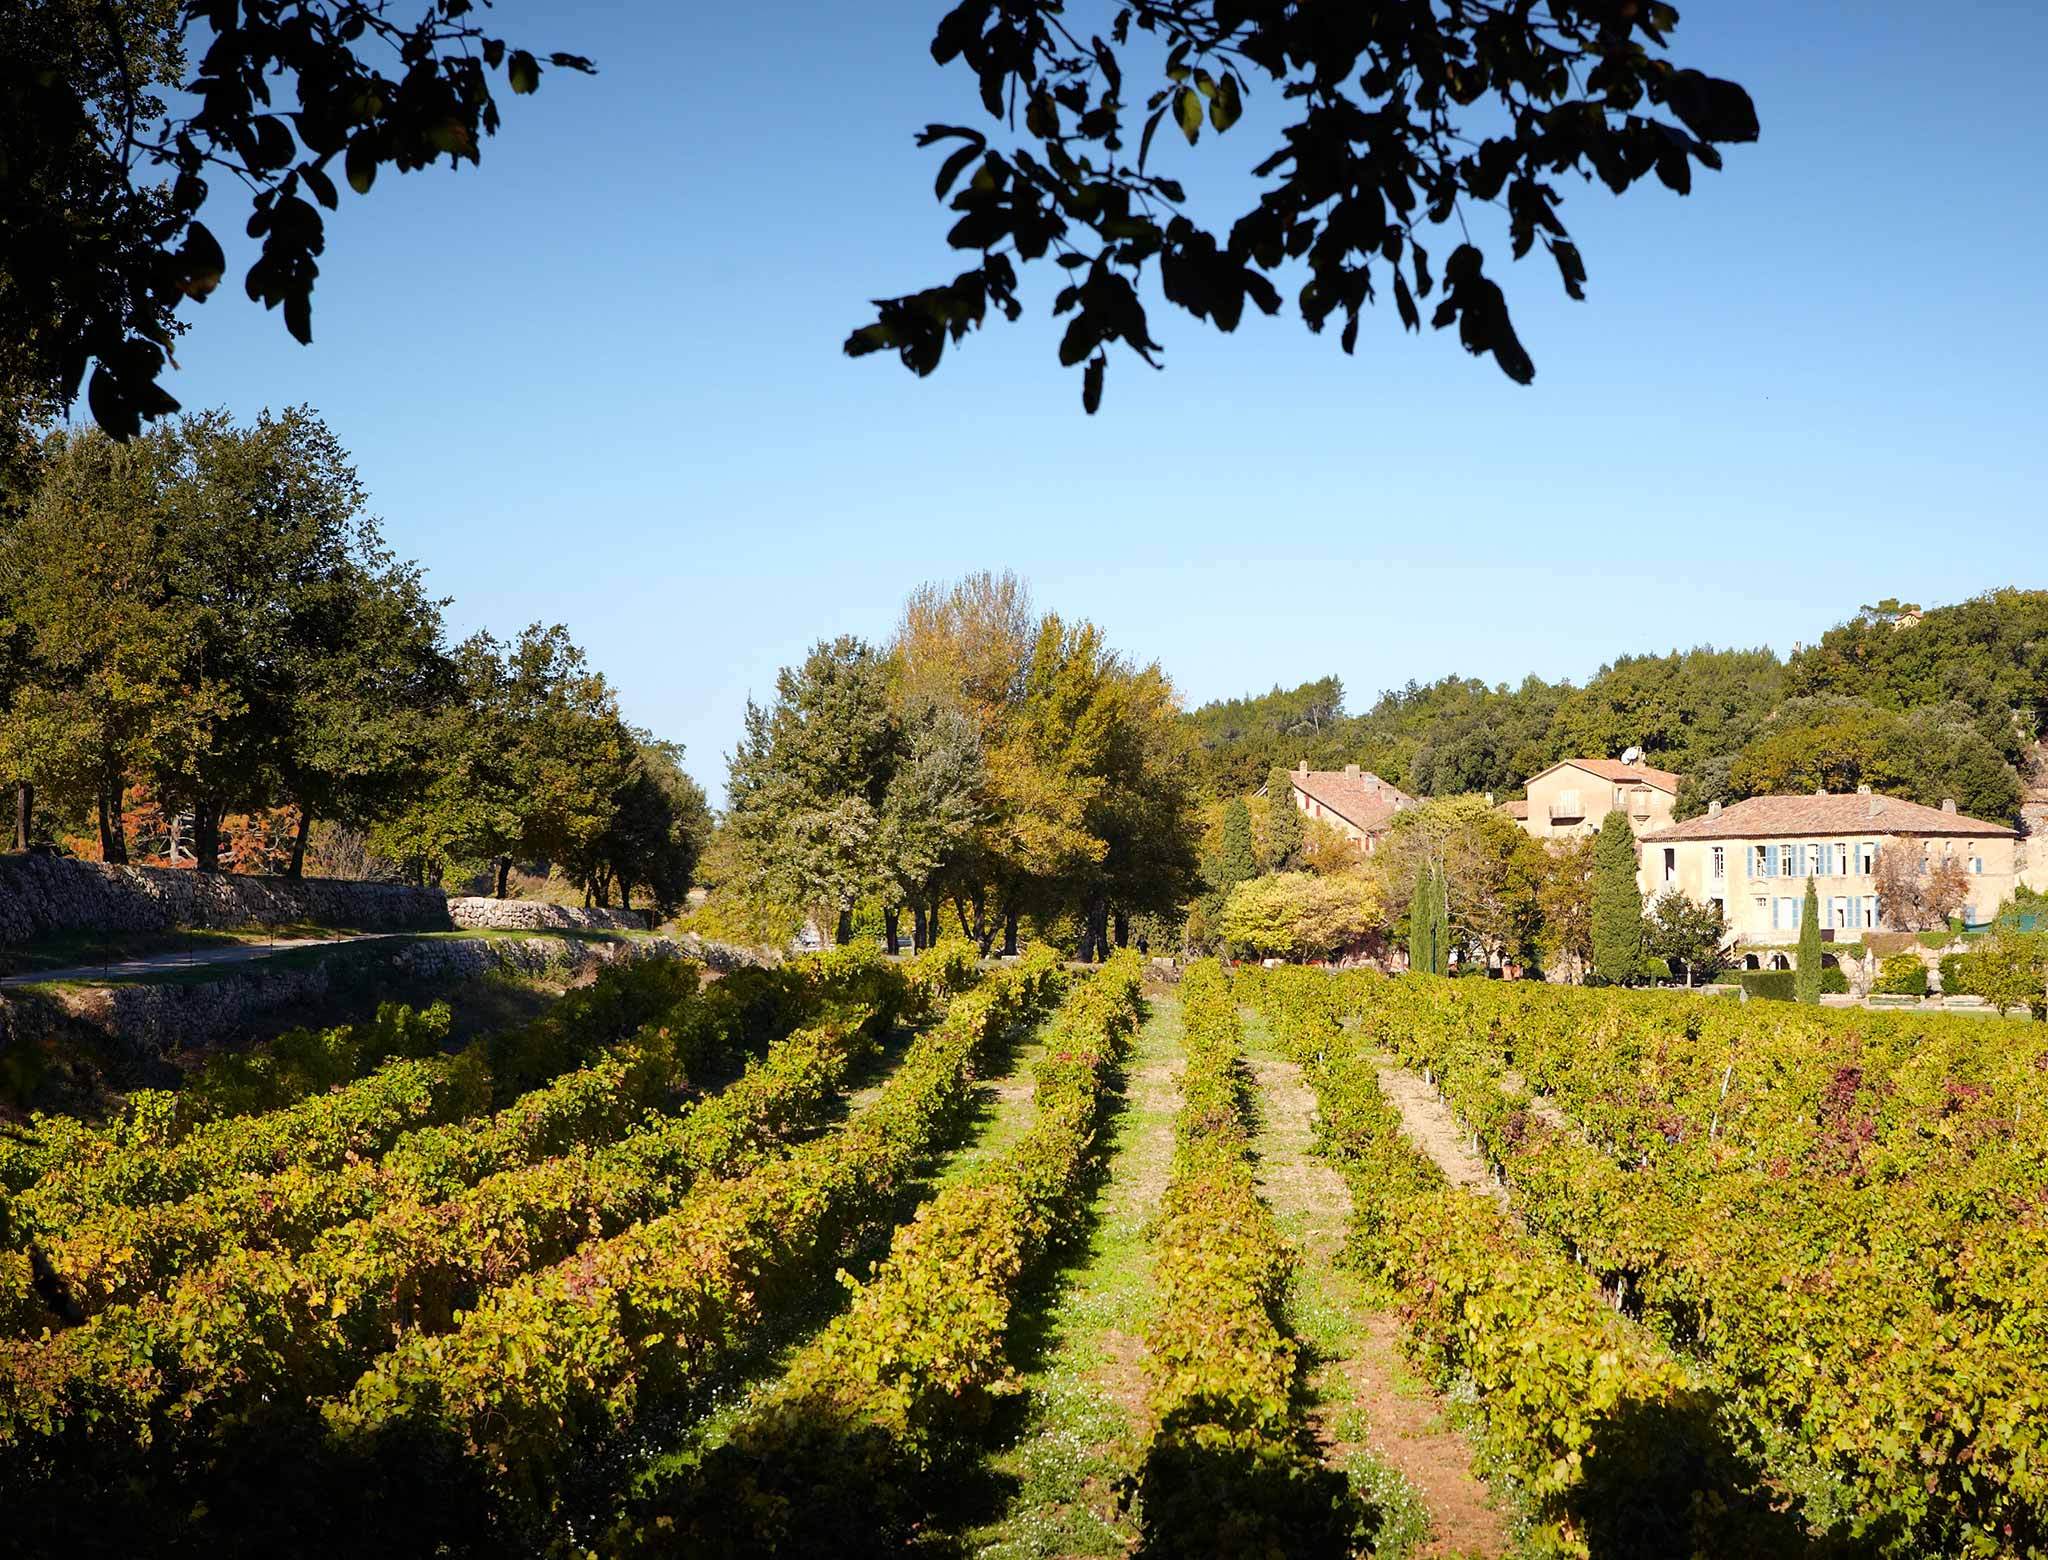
{"x": 1670, "y": 863}
{"x": 1816, "y": 860}
{"x": 1839, "y": 913}
{"x": 1720, "y": 862}
{"x": 1788, "y": 861}
{"x": 1869, "y": 911}
{"x": 1977, "y": 865}
{"x": 1841, "y": 859}
{"x": 1866, "y": 858}
{"x": 1785, "y": 915}
{"x": 1760, "y": 861}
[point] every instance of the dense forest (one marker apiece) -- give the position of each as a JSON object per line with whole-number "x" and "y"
{"x": 1926, "y": 705}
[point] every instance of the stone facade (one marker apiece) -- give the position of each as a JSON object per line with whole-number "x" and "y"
{"x": 1574, "y": 797}
{"x": 1754, "y": 859}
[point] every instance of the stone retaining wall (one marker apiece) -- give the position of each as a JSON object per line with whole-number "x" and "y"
{"x": 42, "y": 896}
{"x": 534, "y": 915}
{"x": 143, "y": 1023}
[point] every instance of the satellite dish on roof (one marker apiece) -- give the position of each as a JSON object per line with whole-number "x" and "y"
{"x": 1633, "y": 755}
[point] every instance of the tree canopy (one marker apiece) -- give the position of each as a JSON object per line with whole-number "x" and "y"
{"x": 209, "y": 615}
{"x": 1929, "y": 704}
{"x": 117, "y": 116}
{"x": 1386, "y": 124}
{"x": 1010, "y": 762}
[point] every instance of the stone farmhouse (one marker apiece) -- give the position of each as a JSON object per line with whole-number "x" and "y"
{"x": 1360, "y": 803}
{"x": 1754, "y": 858}
{"x": 1575, "y": 795}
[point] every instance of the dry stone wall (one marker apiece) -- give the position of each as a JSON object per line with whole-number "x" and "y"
{"x": 143, "y": 1023}
{"x": 533, "y": 915}
{"x": 44, "y": 896}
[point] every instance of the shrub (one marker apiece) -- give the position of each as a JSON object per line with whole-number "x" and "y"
{"x": 1770, "y": 985}
{"x": 1833, "y": 983}
{"x": 1903, "y": 974}
{"x": 1957, "y": 976}
{"x": 1297, "y": 915}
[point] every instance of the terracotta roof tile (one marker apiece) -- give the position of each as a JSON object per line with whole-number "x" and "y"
{"x": 1364, "y": 801}
{"x": 1518, "y": 809}
{"x": 1764, "y": 817}
{"x": 1621, "y": 774}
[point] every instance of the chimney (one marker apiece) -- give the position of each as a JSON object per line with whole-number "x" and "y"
{"x": 1863, "y": 790}
{"x": 1820, "y": 790}
{"x": 1302, "y": 767}
{"x": 1713, "y": 809}
{"x": 1372, "y": 784}
{"x": 1351, "y": 771}
{"x": 1948, "y": 804}
{"x": 1489, "y": 798}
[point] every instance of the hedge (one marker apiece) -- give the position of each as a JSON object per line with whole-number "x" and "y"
{"x": 1770, "y": 985}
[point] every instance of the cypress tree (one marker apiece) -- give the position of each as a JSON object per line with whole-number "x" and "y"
{"x": 1617, "y": 904}
{"x": 1440, "y": 921}
{"x": 1235, "y": 862}
{"x": 1806, "y": 982}
{"x": 1286, "y": 838}
{"x": 1429, "y": 930}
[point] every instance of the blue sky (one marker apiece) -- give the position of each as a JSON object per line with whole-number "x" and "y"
{"x": 598, "y": 380}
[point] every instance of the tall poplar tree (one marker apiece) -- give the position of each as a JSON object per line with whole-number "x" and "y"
{"x": 1429, "y": 923}
{"x": 1286, "y": 838}
{"x": 1235, "y": 860}
{"x": 1806, "y": 983}
{"x": 1618, "y": 936}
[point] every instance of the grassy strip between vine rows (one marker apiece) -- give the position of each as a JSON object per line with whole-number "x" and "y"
{"x": 1839, "y": 1215}
{"x": 678, "y": 1031}
{"x": 136, "y": 1397}
{"x": 1608, "y": 1444}
{"x": 845, "y": 1455}
{"x": 296, "y": 1064}
{"x": 1230, "y": 1467}
{"x": 573, "y": 1356}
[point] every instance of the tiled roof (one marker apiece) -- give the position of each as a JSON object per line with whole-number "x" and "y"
{"x": 1621, "y": 774}
{"x": 1364, "y": 801}
{"x": 1763, "y": 817}
{"x": 1516, "y": 809}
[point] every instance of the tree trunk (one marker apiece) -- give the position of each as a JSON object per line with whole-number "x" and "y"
{"x": 920, "y": 931}
{"x": 24, "y": 813}
{"x": 1009, "y": 934}
{"x": 960, "y": 909}
{"x": 844, "y": 932}
{"x": 504, "y": 874}
{"x": 934, "y": 927}
{"x": 889, "y": 938}
{"x": 984, "y": 934}
{"x": 1123, "y": 929}
{"x": 206, "y": 838}
{"x": 113, "y": 835}
{"x": 1098, "y": 931}
{"x": 297, "y": 870}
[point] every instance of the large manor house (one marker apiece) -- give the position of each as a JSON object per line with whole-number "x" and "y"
{"x": 1752, "y": 858}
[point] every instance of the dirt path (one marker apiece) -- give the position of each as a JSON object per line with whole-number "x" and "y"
{"x": 182, "y": 959}
{"x": 1431, "y": 1126}
{"x": 1375, "y": 1420}
{"x": 1083, "y": 1352}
